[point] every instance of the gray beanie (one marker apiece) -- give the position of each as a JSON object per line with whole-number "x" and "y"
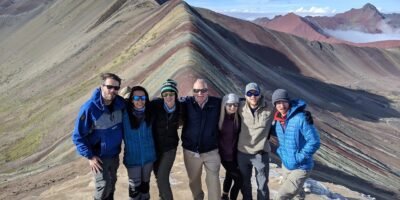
{"x": 169, "y": 85}
{"x": 252, "y": 86}
{"x": 231, "y": 98}
{"x": 280, "y": 95}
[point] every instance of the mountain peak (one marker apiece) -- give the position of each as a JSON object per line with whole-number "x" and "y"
{"x": 369, "y": 6}
{"x": 291, "y": 14}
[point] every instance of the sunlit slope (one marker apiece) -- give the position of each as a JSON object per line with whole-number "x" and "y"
{"x": 51, "y": 66}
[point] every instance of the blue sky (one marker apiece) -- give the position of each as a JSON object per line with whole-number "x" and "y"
{"x": 251, "y": 9}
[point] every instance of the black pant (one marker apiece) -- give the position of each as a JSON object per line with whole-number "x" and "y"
{"x": 260, "y": 162}
{"x": 232, "y": 173}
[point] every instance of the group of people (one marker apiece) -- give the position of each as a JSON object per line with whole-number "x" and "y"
{"x": 230, "y": 131}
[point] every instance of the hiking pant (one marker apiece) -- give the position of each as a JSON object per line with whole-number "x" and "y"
{"x": 232, "y": 174}
{"x": 292, "y": 184}
{"x": 105, "y": 180}
{"x": 260, "y": 162}
{"x": 194, "y": 165}
{"x": 162, "y": 169}
{"x": 139, "y": 181}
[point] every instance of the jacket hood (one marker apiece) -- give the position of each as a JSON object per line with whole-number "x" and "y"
{"x": 296, "y": 105}
{"x": 99, "y": 102}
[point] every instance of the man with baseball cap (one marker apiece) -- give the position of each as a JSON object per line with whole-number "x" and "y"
{"x": 253, "y": 145}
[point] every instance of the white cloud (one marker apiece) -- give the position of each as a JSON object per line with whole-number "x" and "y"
{"x": 314, "y": 11}
{"x": 386, "y": 28}
{"x": 361, "y": 37}
{"x": 249, "y": 15}
{"x": 388, "y": 33}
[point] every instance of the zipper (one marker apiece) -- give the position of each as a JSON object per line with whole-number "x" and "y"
{"x": 140, "y": 144}
{"x": 167, "y": 121}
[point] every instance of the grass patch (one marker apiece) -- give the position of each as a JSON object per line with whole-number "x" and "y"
{"x": 23, "y": 147}
{"x": 75, "y": 92}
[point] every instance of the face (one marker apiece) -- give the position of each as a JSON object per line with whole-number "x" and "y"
{"x": 252, "y": 98}
{"x": 169, "y": 98}
{"x": 138, "y": 99}
{"x": 200, "y": 91}
{"x": 282, "y": 107}
{"x": 231, "y": 107}
{"x": 109, "y": 89}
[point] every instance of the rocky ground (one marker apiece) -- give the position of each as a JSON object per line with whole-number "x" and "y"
{"x": 75, "y": 181}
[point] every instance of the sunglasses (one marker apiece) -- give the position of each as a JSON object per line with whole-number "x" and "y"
{"x": 166, "y": 94}
{"x": 112, "y": 87}
{"x": 204, "y": 90}
{"x": 232, "y": 104}
{"x": 137, "y": 98}
{"x": 253, "y": 93}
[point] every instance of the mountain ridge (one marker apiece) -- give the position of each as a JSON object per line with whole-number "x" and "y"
{"x": 321, "y": 28}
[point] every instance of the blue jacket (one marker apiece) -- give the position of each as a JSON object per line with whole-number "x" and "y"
{"x": 299, "y": 141}
{"x": 139, "y": 145}
{"x": 98, "y": 130}
{"x": 200, "y": 127}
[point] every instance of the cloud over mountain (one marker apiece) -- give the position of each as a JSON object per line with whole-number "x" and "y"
{"x": 359, "y": 27}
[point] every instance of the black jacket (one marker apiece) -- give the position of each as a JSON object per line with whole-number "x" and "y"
{"x": 165, "y": 126}
{"x": 200, "y": 128}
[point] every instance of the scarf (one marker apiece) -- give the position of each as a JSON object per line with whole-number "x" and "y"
{"x": 139, "y": 113}
{"x": 281, "y": 119}
{"x": 169, "y": 110}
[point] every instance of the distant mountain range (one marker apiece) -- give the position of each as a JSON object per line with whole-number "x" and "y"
{"x": 355, "y": 27}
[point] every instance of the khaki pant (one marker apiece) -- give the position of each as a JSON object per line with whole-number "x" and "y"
{"x": 292, "y": 184}
{"x": 194, "y": 165}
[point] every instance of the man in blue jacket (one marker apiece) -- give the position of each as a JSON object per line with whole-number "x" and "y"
{"x": 298, "y": 141}
{"x": 199, "y": 140}
{"x": 98, "y": 134}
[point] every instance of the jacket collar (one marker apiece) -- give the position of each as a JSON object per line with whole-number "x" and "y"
{"x": 296, "y": 105}
{"x": 97, "y": 99}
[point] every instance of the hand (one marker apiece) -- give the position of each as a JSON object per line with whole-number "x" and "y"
{"x": 309, "y": 118}
{"x": 95, "y": 164}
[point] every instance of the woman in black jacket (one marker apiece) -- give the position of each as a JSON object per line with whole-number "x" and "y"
{"x": 166, "y": 120}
